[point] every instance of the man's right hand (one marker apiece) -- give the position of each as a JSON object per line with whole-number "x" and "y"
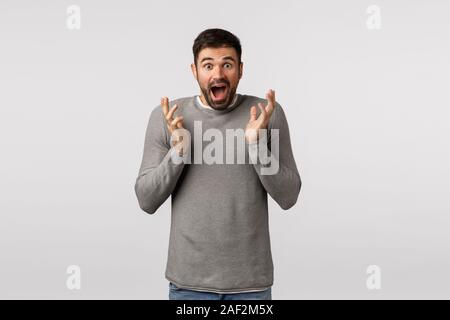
{"x": 171, "y": 123}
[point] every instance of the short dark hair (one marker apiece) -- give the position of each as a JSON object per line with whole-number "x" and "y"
{"x": 216, "y": 38}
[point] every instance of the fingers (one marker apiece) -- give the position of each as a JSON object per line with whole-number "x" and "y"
{"x": 263, "y": 114}
{"x": 172, "y": 124}
{"x": 176, "y": 123}
{"x": 165, "y": 105}
{"x": 270, "y": 96}
{"x": 176, "y": 135}
{"x": 169, "y": 114}
{"x": 252, "y": 113}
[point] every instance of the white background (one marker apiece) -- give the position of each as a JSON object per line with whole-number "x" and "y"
{"x": 367, "y": 110}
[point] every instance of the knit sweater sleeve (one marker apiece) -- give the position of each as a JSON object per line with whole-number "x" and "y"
{"x": 158, "y": 173}
{"x": 276, "y": 168}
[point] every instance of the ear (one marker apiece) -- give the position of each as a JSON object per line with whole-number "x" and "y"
{"x": 241, "y": 69}
{"x": 194, "y": 70}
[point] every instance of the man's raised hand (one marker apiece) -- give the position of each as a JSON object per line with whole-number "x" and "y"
{"x": 172, "y": 124}
{"x": 178, "y": 138}
{"x": 261, "y": 122}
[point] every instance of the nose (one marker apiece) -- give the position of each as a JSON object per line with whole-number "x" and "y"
{"x": 218, "y": 73}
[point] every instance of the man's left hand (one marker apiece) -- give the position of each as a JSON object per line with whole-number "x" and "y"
{"x": 260, "y": 122}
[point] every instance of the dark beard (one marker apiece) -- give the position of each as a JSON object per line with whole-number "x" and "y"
{"x": 222, "y": 106}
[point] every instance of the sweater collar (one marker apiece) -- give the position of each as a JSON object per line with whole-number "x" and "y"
{"x": 201, "y": 104}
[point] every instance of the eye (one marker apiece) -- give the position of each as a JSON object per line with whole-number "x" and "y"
{"x": 228, "y": 65}
{"x": 208, "y": 66}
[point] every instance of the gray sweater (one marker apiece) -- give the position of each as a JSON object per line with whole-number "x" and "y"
{"x": 219, "y": 236}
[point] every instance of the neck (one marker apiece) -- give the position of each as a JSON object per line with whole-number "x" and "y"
{"x": 204, "y": 100}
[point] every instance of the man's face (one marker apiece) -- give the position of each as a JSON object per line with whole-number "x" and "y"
{"x": 218, "y": 74}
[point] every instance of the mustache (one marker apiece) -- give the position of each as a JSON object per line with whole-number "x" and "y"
{"x": 215, "y": 83}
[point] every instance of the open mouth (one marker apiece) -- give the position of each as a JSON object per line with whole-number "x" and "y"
{"x": 219, "y": 92}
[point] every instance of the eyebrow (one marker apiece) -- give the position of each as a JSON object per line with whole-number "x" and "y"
{"x": 225, "y": 58}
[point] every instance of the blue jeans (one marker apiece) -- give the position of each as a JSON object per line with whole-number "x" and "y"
{"x": 176, "y": 293}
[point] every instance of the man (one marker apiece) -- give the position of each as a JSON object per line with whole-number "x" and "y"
{"x": 219, "y": 246}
